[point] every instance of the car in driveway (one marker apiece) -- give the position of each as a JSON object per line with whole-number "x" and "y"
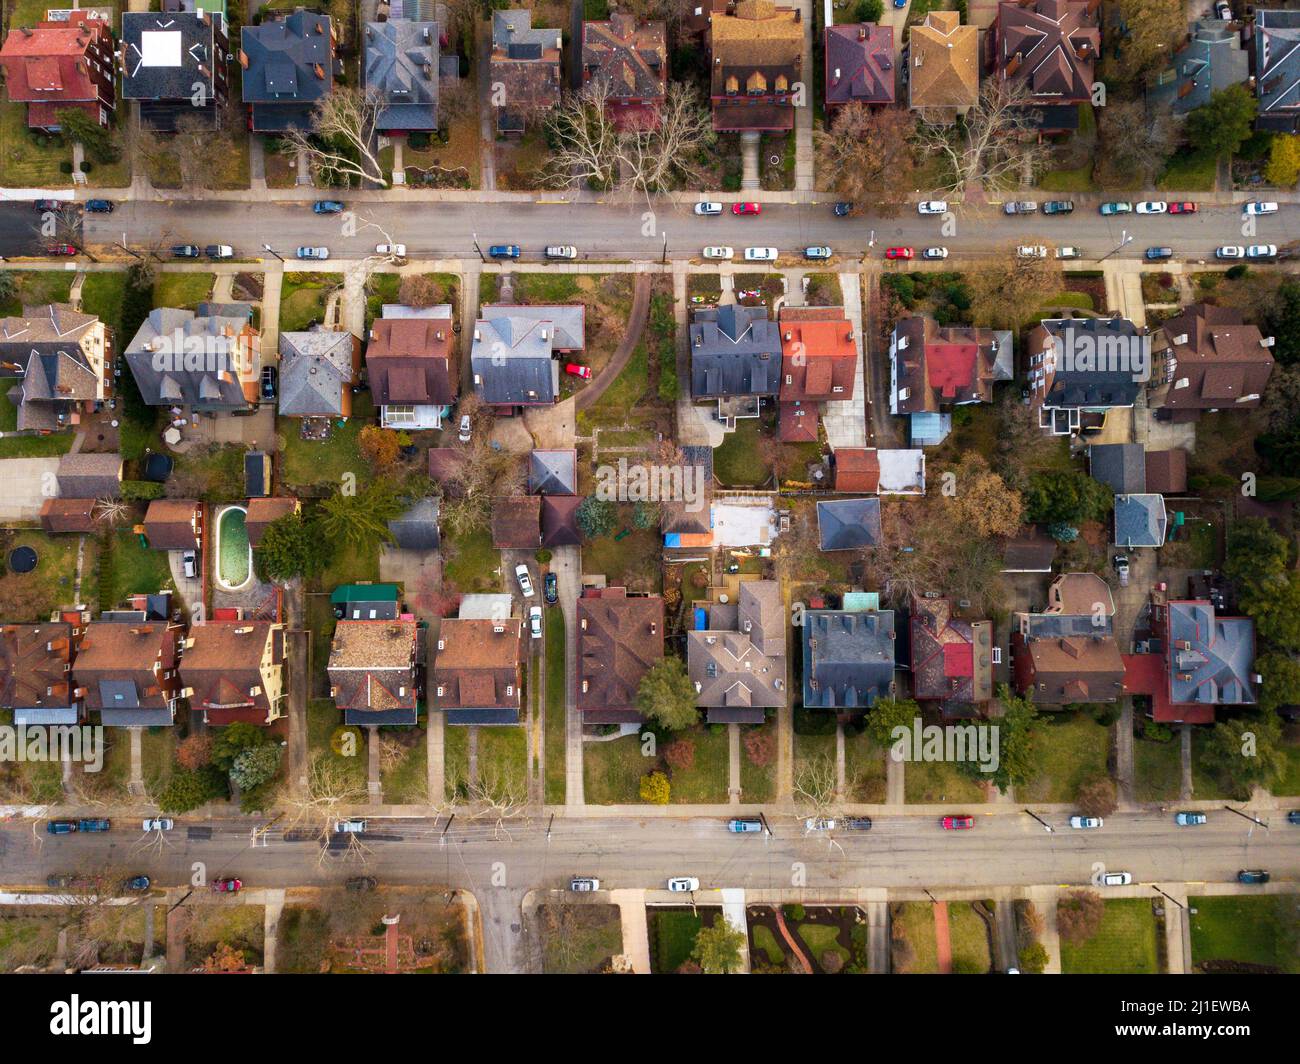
{"x": 683, "y": 884}
{"x": 186, "y": 251}
{"x": 551, "y": 589}
{"x": 843, "y": 210}
{"x": 932, "y": 207}
{"x": 1120, "y": 561}
{"x": 576, "y": 369}
{"x": 525, "y": 581}
{"x": 1261, "y": 251}
{"x": 899, "y": 253}
{"x": 1116, "y": 879}
{"x": 61, "y": 249}
{"x": 398, "y": 251}
{"x": 744, "y": 825}
{"x": 1115, "y": 207}
{"x": 561, "y": 251}
{"x": 219, "y": 251}
{"x": 1261, "y": 207}
{"x": 1020, "y": 207}
{"x": 270, "y": 378}
{"x": 535, "y": 621}
{"x": 313, "y": 253}
{"x": 465, "y": 429}
{"x": 1183, "y": 208}
{"x": 1031, "y": 251}
{"x": 159, "y": 823}
{"x": 746, "y": 208}
{"x": 61, "y": 827}
{"x": 1158, "y": 254}
{"x": 584, "y": 884}
{"x": 718, "y": 252}
{"x": 504, "y": 251}
{"x": 1153, "y": 207}
{"x": 1085, "y": 822}
{"x": 1230, "y": 251}
{"x": 934, "y": 253}
{"x": 708, "y": 208}
{"x": 819, "y": 251}
{"x": 227, "y": 885}
{"x": 1068, "y": 251}
{"x": 190, "y": 564}
{"x": 760, "y": 254}
{"x": 1058, "y": 207}
{"x": 327, "y": 206}
{"x": 958, "y": 823}
{"x": 1187, "y": 820}
{"x": 99, "y": 206}
{"x": 1252, "y": 875}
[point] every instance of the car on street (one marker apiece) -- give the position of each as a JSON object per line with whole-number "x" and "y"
{"x": 718, "y": 252}
{"x": 1117, "y": 879}
{"x": 219, "y": 251}
{"x": 1031, "y": 251}
{"x": 708, "y": 208}
{"x": 1120, "y": 561}
{"x": 190, "y": 564}
{"x": 361, "y": 884}
{"x": 575, "y": 369}
{"x": 186, "y": 251}
{"x": 396, "y": 250}
{"x": 683, "y": 884}
{"x": 136, "y": 883}
{"x": 227, "y": 885}
{"x": 843, "y": 210}
{"x": 1183, "y": 208}
{"x": 932, "y": 207}
{"x": 561, "y": 251}
{"x": 958, "y": 823}
{"x": 760, "y": 254}
{"x": 1230, "y": 251}
{"x": 159, "y": 823}
{"x": 934, "y": 253}
{"x": 819, "y": 823}
{"x": 525, "y": 581}
{"x": 1293, "y": 817}
{"x": 504, "y": 251}
{"x": 94, "y": 823}
{"x": 1187, "y": 820}
{"x": 746, "y": 208}
{"x": 354, "y": 826}
{"x": 1020, "y": 207}
{"x": 99, "y": 206}
{"x": 48, "y": 204}
{"x": 535, "y": 621}
{"x": 817, "y": 252}
{"x": 1261, "y": 207}
{"x": 1261, "y": 251}
{"x": 584, "y": 884}
{"x": 857, "y": 823}
{"x": 743, "y": 825}
{"x": 64, "y": 880}
{"x": 1158, "y": 254}
{"x": 1116, "y": 207}
{"x": 60, "y": 249}
{"x": 899, "y": 253}
{"x": 327, "y": 206}
{"x": 1252, "y": 875}
{"x": 1153, "y": 207}
{"x": 313, "y": 253}
{"x": 61, "y": 827}
{"x": 1084, "y": 822}
{"x": 551, "y": 589}
{"x": 270, "y": 377}
{"x": 466, "y": 429}
{"x": 1058, "y": 207}
{"x": 1068, "y": 251}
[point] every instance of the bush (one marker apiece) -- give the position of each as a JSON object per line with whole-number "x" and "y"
{"x": 65, "y": 167}
{"x": 812, "y": 722}
{"x": 194, "y": 752}
{"x": 868, "y": 10}
{"x": 87, "y": 166}
{"x": 1234, "y": 272}
{"x": 795, "y": 911}
{"x": 760, "y": 747}
{"x": 1033, "y": 959}
{"x": 141, "y": 490}
{"x": 188, "y": 789}
{"x": 418, "y": 141}
{"x": 655, "y": 788}
{"x": 542, "y": 556}
{"x": 680, "y": 755}
{"x": 1157, "y": 733}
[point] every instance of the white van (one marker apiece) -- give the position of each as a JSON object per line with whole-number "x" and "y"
{"x": 349, "y": 827}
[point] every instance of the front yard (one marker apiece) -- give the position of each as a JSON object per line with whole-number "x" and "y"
{"x": 1233, "y": 930}
{"x": 612, "y": 770}
{"x": 1125, "y": 944}
{"x": 579, "y": 939}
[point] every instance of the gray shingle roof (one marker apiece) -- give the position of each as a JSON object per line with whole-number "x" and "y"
{"x": 1216, "y": 668}
{"x": 315, "y": 368}
{"x": 1089, "y": 387}
{"x": 165, "y": 55}
{"x": 1120, "y": 466}
{"x": 182, "y": 358}
{"x": 847, "y": 524}
{"x": 735, "y": 350}
{"x": 739, "y": 661}
{"x": 848, "y": 658}
{"x": 290, "y": 67}
{"x": 512, "y": 349}
{"x": 1140, "y": 520}
{"x": 1277, "y": 68}
{"x": 553, "y": 472}
{"x": 417, "y": 528}
{"x": 402, "y": 65}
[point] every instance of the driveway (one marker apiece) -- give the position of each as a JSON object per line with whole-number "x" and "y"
{"x": 28, "y": 483}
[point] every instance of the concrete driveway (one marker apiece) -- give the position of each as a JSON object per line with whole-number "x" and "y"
{"x": 28, "y": 483}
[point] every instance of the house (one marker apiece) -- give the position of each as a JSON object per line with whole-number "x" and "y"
{"x": 257, "y": 474}
{"x": 848, "y": 524}
{"x": 174, "y": 524}
{"x": 1208, "y": 61}
{"x": 478, "y": 670}
{"x": 1050, "y": 47}
{"x": 516, "y": 522}
{"x": 1167, "y": 471}
{"x": 952, "y": 658}
{"x": 819, "y": 363}
{"x": 1032, "y": 554}
{"x": 857, "y": 470}
{"x": 127, "y": 672}
{"x": 620, "y": 638}
{"x": 58, "y": 356}
{"x": 1207, "y": 358}
{"x": 560, "y": 521}
{"x": 174, "y": 64}
{"x": 89, "y": 476}
{"x": 408, "y": 364}
{"x": 57, "y": 66}
{"x": 525, "y": 62}
{"x": 848, "y": 658}
{"x": 36, "y": 673}
{"x": 289, "y": 66}
{"x": 737, "y": 660}
{"x": 933, "y": 368}
{"x": 630, "y": 56}
{"x": 233, "y": 671}
{"x": 512, "y": 353}
{"x": 735, "y": 358}
{"x": 417, "y": 527}
{"x": 317, "y": 371}
{"x": 262, "y": 512}
{"x": 757, "y": 67}
{"x": 68, "y": 515}
{"x": 859, "y": 64}
{"x": 1140, "y": 520}
{"x": 943, "y": 76}
{"x": 689, "y": 519}
{"x": 375, "y": 671}
{"x": 1067, "y": 654}
{"x": 209, "y": 359}
{"x": 402, "y": 67}
{"x": 1277, "y": 70}
{"x": 1122, "y": 467}
{"x": 366, "y": 602}
{"x": 1084, "y": 366}
{"x": 553, "y": 472}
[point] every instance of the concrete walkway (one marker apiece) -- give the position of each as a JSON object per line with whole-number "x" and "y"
{"x": 804, "y": 175}
{"x": 1185, "y": 777}
{"x": 636, "y": 932}
{"x": 749, "y": 179}
{"x": 487, "y": 121}
{"x": 845, "y": 419}
{"x": 435, "y": 739}
{"x": 135, "y": 786}
{"x": 274, "y": 902}
{"x": 566, "y": 562}
{"x": 1124, "y": 753}
{"x": 733, "y": 763}
{"x": 733, "y": 911}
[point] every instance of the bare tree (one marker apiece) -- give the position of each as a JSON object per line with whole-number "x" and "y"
{"x": 111, "y": 511}
{"x": 869, "y": 151}
{"x": 341, "y": 141}
{"x": 814, "y": 784}
{"x": 1136, "y": 143}
{"x": 484, "y": 475}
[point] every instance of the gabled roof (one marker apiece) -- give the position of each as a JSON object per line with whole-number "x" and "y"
{"x": 172, "y": 524}
{"x": 516, "y": 522}
{"x": 265, "y": 511}
{"x": 739, "y": 661}
{"x": 402, "y": 66}
{"x": 849, "y": 524}
{"x": 68, "y": 515}
{"x": 735, "y": 351}
{"x": 860, "y": 63}
{"x": 372, "y": 670}
{"x": 1120, "y": 466}
{"x": 408, "y": 360}
{"x": 1211, "y": 659}
{"x": 819, "y": 358}
{"x": 417, "y": 528}
{"x": 944, "y": 62}
{"x": 1210, "y": 358}
{"x": 165, "y": 375}
{"x": 90, "y": 476}
{"x": 511, "y": 353}
{"x": 848, "y": 658}
{"x": 757, "y": 50}
{"x": 526, "y": 60}
{"x": 115, "y": 664}
{"x": 1209, "y": 61}
{"x": 1167, "y": 471}
{"x": 857, "y": 470}
{"x": 553, "y": 472}
{"x": 477, "y": 666}
{"x": 937, "y": 367}
{"x": 1069, "y": 385}
{"x": 1051, "y": 46}
{"x": 1277, "y": 68}
{"x": 43, "y": 346}
{"x": 620, "y": 636}
{"x": 49, "y": 63}
{"x": 223, "y": 664}
{"x": 288, "y": 66}
{"x": 315, "y": 372}
{"x": 1032, "y": 554}
{"x": 952, "y": 658}
{"x": 32, "y": 674}
{"x": 1072, "y": 667}
{"x": 630, "y": 54}
{"x": 1140, "y": 520}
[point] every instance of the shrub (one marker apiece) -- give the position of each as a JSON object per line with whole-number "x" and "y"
{"x": 542, "y": 556}
{"x": 760, "y": 747}
{"x": 655, "y": 788}
{"x": 795, "y": 911}
{"x": 1033, "y": 959}
{"x": 65, "y": 167}
{"x": 418, "y": 141}
{"x": 141, "y": 490}
{"x": 1158, "y": 733}
{"x": 188, "y": 789}
{"x": 680, "y": 755}
{"x": 1234, "y": 272}
{"x": 194, "y": 752}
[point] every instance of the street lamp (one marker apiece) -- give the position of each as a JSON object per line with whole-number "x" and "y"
{"x": 1046, "y": 826}
{"x": 474, "y": 237}
{"x": 1125, "y": 240}
{"x": 267, "y": 247}
{"x": 1247, "y": 816}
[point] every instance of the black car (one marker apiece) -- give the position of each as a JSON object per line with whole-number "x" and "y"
{"x": 551, "y": 589}
{"x": 48, "y": 204}
{"x": 361, "y": 884}
{"x": 1058, "y": 207}
{"x": 1293, "y": 817}
{"x": 99, "y": 206}
{"x": 270, "y": 378}
{"x": 857, "y": 823}
{"x": 186, "y": 251}
{"x": 843, "y": 210}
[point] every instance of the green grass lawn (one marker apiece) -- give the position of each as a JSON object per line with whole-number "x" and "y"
{"x": 304, "y": 463}
{"x": 50, "y": 446}
{"x": 469, "y": 562}
{"x": 183, "y": 290}
{"x": 926, "y": 782}
{"x": 738, "y": 462}
{"x": 157, "y": 756}
{"x": 555, "y": 708}
{"x": 757, "y": 783}
{"x": 302, "y": 300}
{"x": 672, "y": 937}
{"x": 864, "y": 767}
{"x": 455, "y": 760}
{"x": 916, "y": 920}
{"x": 1073, "y": 749}
{"x": 1079, "y": 180}
{"x": 503, "y": 760}
{"x": 382, "y": 288}
{"x": 1125, "y": 944}
{"x": 1290, "y": 783}
{"x": 579, "y": 939}
{"x": 969, "y": 938}
{"x": 324, "y": 720}
{"x": 768, "y": 945}
{"x": 821, "y": 939}
{"x": 612, "y": 771}
{"x": 102, "y": 294}
{"x": 35, "y": 595}
{"x": 706, "y": 780}
{"x": 617, "y": 405}
{"x": 408, "y": 780}
{"x": 1253, "y": 929}
{"x": 24, "y": 162}
{"x": 1157, "y": 770}
{"x": 546, "y": 287}
{"x": 1205, "y": 783}
{"x": 127, "y": 568}
{"x": 633, "y": 561}
{"x": 34, "y": 288}
{"x": 1188, "y": 170}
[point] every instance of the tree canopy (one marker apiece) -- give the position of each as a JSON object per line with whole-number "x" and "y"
{"x": 667, "y": 695}
{"x": 1223, "y": 124}
{"x": 717, "y": 948}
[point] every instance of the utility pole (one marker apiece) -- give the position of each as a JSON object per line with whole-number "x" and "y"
{"x": 1046, "y": 826}
{"x": 663, "y": 260}
{"x": 267, "y": 247}
{"x": 481, "y": 256}
{"x": 1247, "y": 816}
{"x": 1125, "y": 240}
{"x": 1172, "y": 899}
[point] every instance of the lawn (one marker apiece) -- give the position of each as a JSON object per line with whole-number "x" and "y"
{"x": 546, "y": 287}
{"x": 739, "y": 461}
{"x": 635, "y": 561}
{"x": 26, "y": 162}
{"x": 382, "y": 288}
{"x": 617, "y": 406}
{"x": 127, "y": 568}
{"x": 611, "y": 771}
{"x": 1255, "y": 929}
{"x": 406, "y": 781}
{"x": 672, "y": 936}
{"x": 1079, "y": 180}
{"x": 1072, "y": 751}
{"x": 324, "y": 726}
{"x": 706, "y": 780}
{"x": 926, "y": 782}
{"x": 503, "y": 761}
{"x": 304, "y": 463}
{"x": 183, "y": 290}
{"x": 1157, "y": 770}
{"x": 864, "y": 767}
{"x": 103, "y": 294}
{"x": 302, "y": 300}
{"x": 37, "y": 287}
{"x": 1125, "y": 944}
{"x": 1290, "y": 783}
{"x": 1189, "y": 171}
{"x": 757, "y": 782}
{"x": 913, "y": 923}
{"x": 242, "y": 927}
{"x": 49, "y": 446}
{"x": 34, "y": 596}
{"x": 822, "y": 939}
{"x": 157, "y": 757}
{"x": 579, "y": 939}
{"x": 555, "y": 709}
{"x": 970, "y": 941}
{"x": 470, "y": 562}
{"x": 29, "y": 935}
{"x": 1205, "y": 783}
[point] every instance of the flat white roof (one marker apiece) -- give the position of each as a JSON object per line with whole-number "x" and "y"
{"x": 736, "y": 525}
{"x": 902, "y": 471}
{"x": 160, "y": 48}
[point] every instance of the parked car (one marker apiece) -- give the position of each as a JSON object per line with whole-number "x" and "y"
{"x": 817, "y": 252}
{"x": 361, "y": 884}
{"x": 843, "y": 210}
{"x": 561, "y": 251}
{"x": 61, "y": 827}
{"x": 1116, "y": 207}
{"x": 1031, "y": 251}
{"x": 227, "y": 885}
{"x": 159, "y": 823}
{"x": 1187, "y": 820}
{"x": 189, "y": 564}
{"x": 574, "y": 369}
{"x": 270, "y": 378}
{"x": 61, "y": 249}
{"x": 396, "y": 250}
{"x": 328, "y": 206}
{"x": 683, "y": 884}
{"x": 525, "y": 581}
{"x": 1084, "y": 822}
{"x": 1058, "y": 207}
{"x": 857, "y": 823}
{"x": 63, "y": 880}
{"x": 958, "y": 823}
{"x": 94, "y": 823}
{"x": 313, "y": 253}
{"x": 48, "y": 204}
{"x": 584, "y": 884}
{"x": 743, "y": 825}
{"x": 746, "y": 208}
{"x": 1183, "y": 208}
{"x": 760, "y": 254}
{"x": 1157, "y": 254}
{"x": 934, "y": 253}
{"x": 1068, "y": 252}
{"x": 349, "y": 827}
{"x": 708, "y": 208}
{"x": 1153, "y": 207}
{"x": 1252, "y": 875}
{"x": 1261, "y": 251}
{"x": 1261, "y": 207}
{"x": 551, "y": 589}
{"x": 932, "y": 207}
{"x": 717, "y": 252}
{"x": 1020, "y": 207}
{"x": 186, "y": 251}
{"x": 1120, "y": 561}
{"x": 819, "y": 823}
{"x": 1117, "y": 879}
{"x": 503, "y": 251}
{"x": 466, "y": 429}
{"x": 1230, "y": 251}
{"x": 136, "y": 883}
{"x": 98, "y": 206}
{"x": 1293, "y": 817}
{"x": 535, "y": 621}
{"x": 222, "y": 251}
{"x": 899, "y": 253}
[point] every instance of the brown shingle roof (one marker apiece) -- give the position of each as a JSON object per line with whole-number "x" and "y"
{"x": 68, "y": 515}
{"x": 619, "y": 638}
{"x": 126, "y": 652}
{"x": 265, "y": 511}
{"x": 223, "y": 664}
{"x": 171, "y": 524}
{"x": 372, "y": 665}
{"x": 1167, "y": 471}
{"x": 1219, "y": 356}
{"x": 944, "y": 62}
{"x": 516, "y": 521}
{"x": 1051, "y": 46}
{"x": 476, "y": 662}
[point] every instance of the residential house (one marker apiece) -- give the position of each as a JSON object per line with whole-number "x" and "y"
{"x": 943, "y": 76}
{"x": 687, "y": 522}
{"x": 58, "y": 66}
{"x": 553, "y": 472}
{"x": 819, "y": 363}
{"x": 1122, "y": 467}
{"x": 88, "y": 475}
{"x": 859, "y": 64}
{"x": 401, "y": 65}
{"x": 174, "y": 524}
{"x": 560, "y": 521}
{"x": 317, "y": 371}
{"x": 58, "y": 357}
{"x": 735, "y": 359}
{"x": 478, "y": 670}
{"x": 1030, "y": 554}
{"x": 36, "y": 673}
{"x": 630, "y": 56}
{"x": 1277, "y": 70}
{"x": 68, "y": 515}
{"x": 1167, "y": 471}
{"x": 262, "y": 512}
{"x": 1208, "y": 61}
{"x": 512, "y": 356}
{"x": 376, "y": 671}
{"x": 127, "y": 672}
{"x": 1080, "y": 368}
{"x": 737, "y": 661}
{"x": 952, "y": 658}
{"x": 848, "y": 524}
{"x": 848, "y": 658}
{"x": 1207, "y": 358}
{"x": 1050, "y": 48}
{"x": 1140, "y": 520}
{"x": 757, "y": 64}
{"x": 233, "y": 671}
{"x": 366, "y": 602}
{"x": 417, "y": 527}
{"x": 408, "y": 364}
{"x": 1067, "y": 654}
{"x": 857, "y": 470}
{"x": 525, "y": 61}
{"x": 620, "y": 638}
{"x": 516, "y": 522}
{"x": 289, "y": 66}
{"x": 209, "y": 359}
{"x": 174, "y": 64}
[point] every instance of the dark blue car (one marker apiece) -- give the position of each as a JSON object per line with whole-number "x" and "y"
{"x": 1156, "y": 254}
{"x": 99, "y": 206}
{"x": 61, "y": 827}
{"x": 327, "y": 206}
{"x": 504, "y": 251}
{"x": 137, "y": 883}
{"x": 94, "y": 824}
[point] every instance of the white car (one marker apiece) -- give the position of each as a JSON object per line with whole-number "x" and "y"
{"x": 535, "y": 621}
{"x": 1230, "y": 251}
{"x": 525, "y": 581}
{"x": 396, "y": 250}
{"x": 312, "y": 253}
{"x": 584, "y": 884}
{"x": 932, "y": 207}
{"x": 466, "y": 429}
{"x": 760, "y": 254}
{"x": 818, "y": 251}
{"x": 1068, "y": 252}
{"x": 1085, "y": 821}
{"x": 159, "y": 823}
{"x": 1261, "y": 251}
{"x": 708, "y": 208}
{"x": 1153, "y": 207}
{"x": 561, "y": 251}
{"x": 934, "y": 253}
{"x": 1031, "y": 251}
{"x": 1261, "y": 207}
{"x": 683, "y": 884}
{"x": 719, "y": 252}
{"x": 1117, "y": 879}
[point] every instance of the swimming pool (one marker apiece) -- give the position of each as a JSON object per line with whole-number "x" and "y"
{"x": 234, "y": 555}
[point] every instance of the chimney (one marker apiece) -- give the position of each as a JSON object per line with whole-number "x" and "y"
{"x": 319, "y": 28}
{"x": 835, "y": 76}
{"x": 243, "y": 59}
{"x": 862, "y": 33}
{"x": 320, "y": 70}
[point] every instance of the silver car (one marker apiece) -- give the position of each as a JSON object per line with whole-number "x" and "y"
{"x": 584, "y": 884}
{"x": 525, "y": 581}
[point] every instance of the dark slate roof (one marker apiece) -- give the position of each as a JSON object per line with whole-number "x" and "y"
{"x": 1081, "y": 387}
{"x": 417, "y": 528}
{"x": 165, "y": 379}
{"x": 1277, "y": 68}
{"x": 1211, "y": 60}
{"x": 162, "y": 54}
{"x": 631, "y": 55}
{"x": 514, "y": 31}
{"x": 1216, "y": 668}
{"x": 859, "y": 63}
{"x": 1033, "y": 555}
{"x": 512, "y": 349}
{"x": 1120, "y": 466}
{"x": 315, "y": 368}
{"x": 848, "y": 658}
{"x": 402, "y": 65}
{"x": 498, "y": 715}
{"x": 135, "y": 718}
{"x": 721, "y": 715}
{"x": 1140, "y": 520}
{"x": 365, "y": 717}
{"x": 256, "y": 481}
{"x": 290, "y": 67}
{"x": 553, "y": 472}
{"x": 735, "y": 350}
{"x": 847, "y": 524}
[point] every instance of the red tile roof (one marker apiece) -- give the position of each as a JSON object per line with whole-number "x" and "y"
{"x": 857, "y": 469}
{"x": 47, "y": 64}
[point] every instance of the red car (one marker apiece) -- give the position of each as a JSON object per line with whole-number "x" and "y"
{"x": 229, "y": 885}
{"x": 1183, "y": 208}
{"x": 746, "y": 208}
{"x": 958, "y": 823}
{"x": 899, "y": 253}
{"x": 61, "y": 249}
{"x": 575, "y": 370}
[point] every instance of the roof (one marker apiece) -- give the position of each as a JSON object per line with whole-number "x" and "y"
{"x": 1210, "y": 60}
{"x": 417, "y": 528}
{"x": 1211, "y": 658}
{"x": 1140, "y": 520}
{"x": 511, "y": 353}
{"x": 1050, "y": 46}
{"x": 936, "y": 367}
{"x": 516, "y": 521}
{"x": 1209, "y": 358}
{"x": 797, "y": 422}
{"x": 860, "y": 64}
{"x": 1080, "y": 594}
{"x": 372, "y": 665}
{"x": 560, "y": 521}
{"x": 172, "y": 524}
{"x": 401, "y": 64}
{"x": 620, "y": 636}
{"x": 49, "y": 63}
{"x": 316, "y": 372}
{"x": 819, "y": 359}
{"x": 1120, "y": 466}
{"x": 489, "y": 606}
{"x": 735, "y": 350}
{"x": 525, "y": 59}
{"x": 857, "y": 469}
{"x": 1029, "y": 555}
{"x": 364, "y": 593}
{"x": 848, "y": 658}
{"x": 1071, "y": 668}
{"x": 691, "y": 515}
{"x": 257, "y": 474}
{"x": 408, "y": 360}
{"x": 223, "y": 664}
{"x": 1167, "y": 471}
{"x": 90, "y": 476}
{"x": 757, "y": 50}
{"x": 849, "y": 524}
{"x": 902, "y": 470}
{"x": 263, "y": 512}
{"x": 164, "y": 56}
{"x": 553, "y": 472}
{"x": 32, "y": 661}
{"x": 944, "y": 62}
{"x": 161, "y": 357}
{"x": 68, "y": 515}
{"x": 738, "y": 662}
{"x": 115, "y": 664}
{"x": 477, "y": 665}
{"x": 630, "y": 54}
{"x": 952, "y": 658}
{"x": 50, "y": 348}
{"x": 1277, "y": 68}
{"x": 288, "y": 66}
{"x": 1076, "y": 383}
